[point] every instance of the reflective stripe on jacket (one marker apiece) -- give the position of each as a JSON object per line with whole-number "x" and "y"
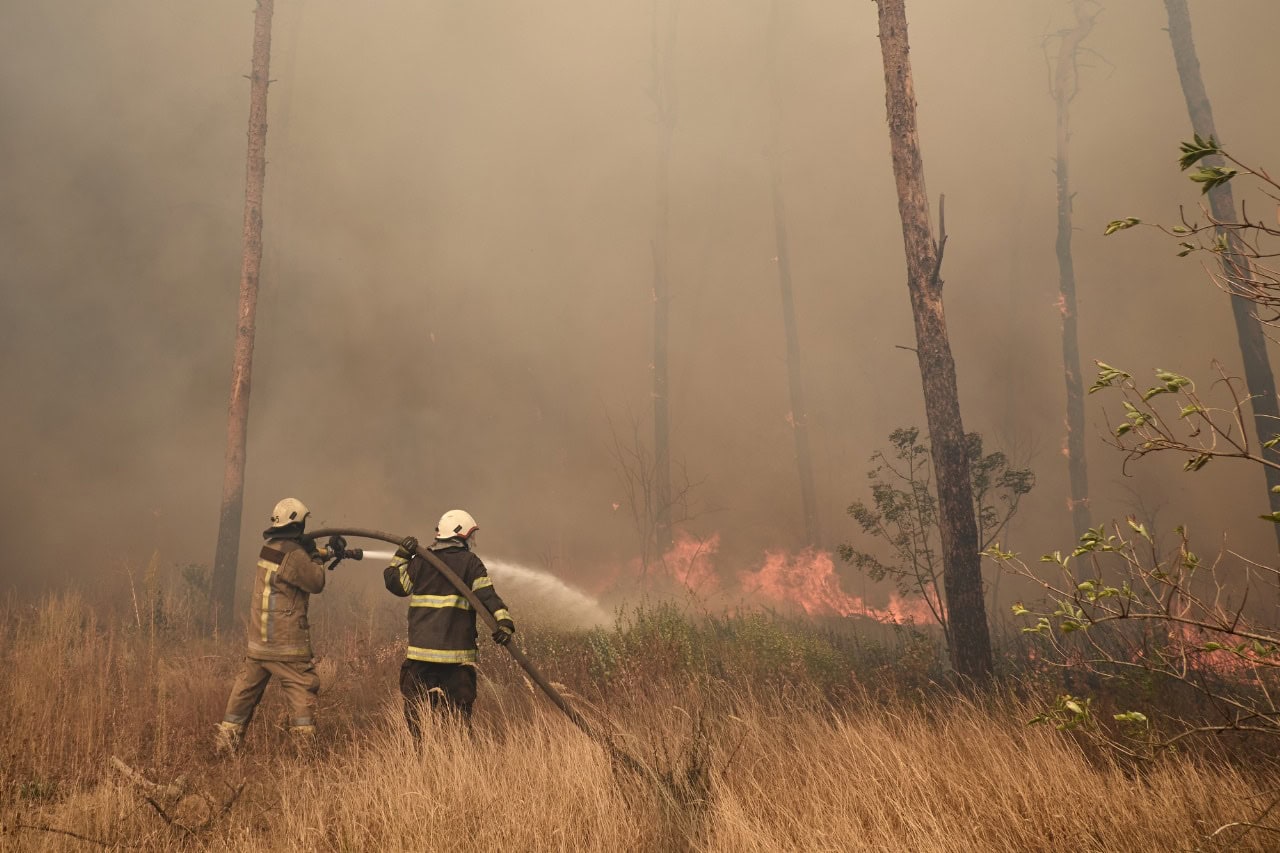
{"x": 442, "y": 623}
{"x": 287, "y": 576}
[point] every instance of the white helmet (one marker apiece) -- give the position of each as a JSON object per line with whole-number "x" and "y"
{"x": 289, "y": 511}
{"x": 456, "y": 524}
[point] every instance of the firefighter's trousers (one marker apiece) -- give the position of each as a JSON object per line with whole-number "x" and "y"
{"x": 298, "y": 682}
{"x": 445, "y": 687}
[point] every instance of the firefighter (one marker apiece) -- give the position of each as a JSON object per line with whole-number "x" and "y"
{"x": 290, "y": 571}
{"x": 439, "y": 667}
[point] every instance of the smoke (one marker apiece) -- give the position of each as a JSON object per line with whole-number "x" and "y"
{"x": 456, "y": 290}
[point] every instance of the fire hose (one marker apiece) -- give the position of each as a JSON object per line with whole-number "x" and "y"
{"x": 452, "y": 577}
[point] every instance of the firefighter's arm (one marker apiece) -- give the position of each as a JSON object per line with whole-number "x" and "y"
{"x": 303, "y": 570}
{"x": 482, "y": 586}
{"x": 399, "y": 576}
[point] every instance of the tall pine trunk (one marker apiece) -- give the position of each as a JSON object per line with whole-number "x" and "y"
{"x": 1236, "y": 268}
{"x": 223, "y": 581}
{"x": 664, "y": 101}
{"x": 795, "y": 378}
{"x": 1066, "y": 83}
{"x": 962, "y": 571}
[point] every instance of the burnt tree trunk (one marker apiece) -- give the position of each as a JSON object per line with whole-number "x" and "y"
{"x": 223, "y": 580}
{"x": 795, "y": 379}
{"x": 1066, "y": 83}
{"x": 664, "y": 100}
{"x": 962, "y": 571}
{"x": 1236, "y": 268}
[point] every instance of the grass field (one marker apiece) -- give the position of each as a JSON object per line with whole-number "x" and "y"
{"x": 754, "y": 734}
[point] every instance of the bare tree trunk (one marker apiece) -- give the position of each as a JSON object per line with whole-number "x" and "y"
{"x": 1236, "y": 268}
{"x": 664, "y": 100}
{"x": 223, "y": 581}
{"x": 1066, "y": 83}
{"x": 795, "y": 378}
{"x": 961, "y": 573}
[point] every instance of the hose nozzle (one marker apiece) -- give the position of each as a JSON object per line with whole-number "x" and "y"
{"x": 348, "y": 554}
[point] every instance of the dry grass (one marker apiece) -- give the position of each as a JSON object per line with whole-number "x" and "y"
{"x": 774, "y": 767}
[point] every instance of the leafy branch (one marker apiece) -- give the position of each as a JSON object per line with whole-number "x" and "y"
{"x": 1114, "y": 608}
{"x": 1171, "y": 415}
{"x": 1243, "y": 245}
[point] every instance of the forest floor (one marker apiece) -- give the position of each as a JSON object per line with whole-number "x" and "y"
{"x": 751, "y": 732}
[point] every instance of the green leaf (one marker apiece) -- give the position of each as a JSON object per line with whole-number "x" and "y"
{"x": 1196, "y": 150}
{"x": 1019, "y": 610}
{"x": 1132, "y": 717}
{"x": 1139, "y": 528}
{"x": 1107, "y": 377}
{"x": 1213, "y": 176}
{"x": 1087, "y": 586}
{"x": 1271, "y": 516}
{"x": 1213, "y": 647}
{"x": 1172, "y": 381}
{"x": 1192, "y": 409}
{"x": 1120, "y": 225}
{"x": 1153, "y": 391}
{"x": 1271, "y": 442}
{"x": 1197, "y": 463}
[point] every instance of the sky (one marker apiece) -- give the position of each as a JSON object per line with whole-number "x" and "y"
{"x": 456, "y": 302}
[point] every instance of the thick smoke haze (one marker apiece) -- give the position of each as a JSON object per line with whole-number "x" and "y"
{"x": 456, "y": 291}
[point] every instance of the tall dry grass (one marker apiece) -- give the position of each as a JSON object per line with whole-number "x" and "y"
{"x": 732, "y": 762}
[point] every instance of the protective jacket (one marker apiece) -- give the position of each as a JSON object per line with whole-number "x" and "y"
{"x": 442, "y": 623}
{"x": 289, "y": 573}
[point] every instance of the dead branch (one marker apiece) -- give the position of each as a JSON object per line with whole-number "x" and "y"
{"x": 173, "y": 791}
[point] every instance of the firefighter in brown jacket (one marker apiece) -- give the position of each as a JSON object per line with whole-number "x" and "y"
{"x": 440, "y": 663}
{"x": 290, "y": 571}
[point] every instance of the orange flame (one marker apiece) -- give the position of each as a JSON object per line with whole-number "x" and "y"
{"x": 808, "y": 581}
{"x": 1188, "y": 641}
{"x": 690, "y": 563}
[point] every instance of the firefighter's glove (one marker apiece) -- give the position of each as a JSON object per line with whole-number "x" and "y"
{"x": 407, "y": 548}
{"x": 506, "y": 628}
{"x": 337, "y": 547}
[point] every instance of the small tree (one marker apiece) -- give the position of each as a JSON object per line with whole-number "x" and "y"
{"x": 903, "y": 513}
{"x": 652, "y": 508}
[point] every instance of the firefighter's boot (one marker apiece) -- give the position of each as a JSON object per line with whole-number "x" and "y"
{"x": 227, "y": 737}
{"x": 304, "y": 740}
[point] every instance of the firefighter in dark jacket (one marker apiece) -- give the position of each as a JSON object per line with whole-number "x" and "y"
{"x": 439, "y": 667}
{"x": 290, "y": 571}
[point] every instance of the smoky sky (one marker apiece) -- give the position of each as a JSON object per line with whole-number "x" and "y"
{"x": 456, "y": 296}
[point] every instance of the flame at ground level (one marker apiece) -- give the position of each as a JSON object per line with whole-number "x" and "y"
{"x": 808, "y": 581}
